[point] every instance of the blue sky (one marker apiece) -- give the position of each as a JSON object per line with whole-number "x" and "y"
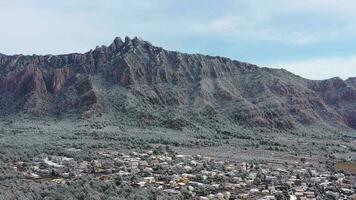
{"x": 312, "y": 38}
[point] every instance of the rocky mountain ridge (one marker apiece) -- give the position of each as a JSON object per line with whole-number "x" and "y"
{"x": 132, "y": 82}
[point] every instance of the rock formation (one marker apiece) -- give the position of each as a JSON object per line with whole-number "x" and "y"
{"x": 133, "y": 82}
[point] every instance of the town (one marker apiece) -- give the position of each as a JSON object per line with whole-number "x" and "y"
{"x": 196, "y": 176}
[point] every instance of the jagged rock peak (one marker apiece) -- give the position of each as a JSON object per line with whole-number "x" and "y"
{"x": 118, "y": 43}
{"x": 118, "y": 40}
{"x": 127, "y": 39}
{"x": 135, "y": 40}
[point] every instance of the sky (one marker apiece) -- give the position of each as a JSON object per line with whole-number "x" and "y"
{"x": 315, "y": 39}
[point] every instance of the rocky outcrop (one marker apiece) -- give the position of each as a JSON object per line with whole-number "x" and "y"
{"x": 24, "y": 81}
{"x": 88, "y": 96}
{"x": 81, "y": 96}
{"x": 136, "y": 83}
{"x": 351, "y": 82}
{"x": 59, "y": 77}
{"x": 340, "y": 96}
{"x": 29, "y": 87}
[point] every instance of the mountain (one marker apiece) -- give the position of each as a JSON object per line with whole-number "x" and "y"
{"x": 134, "y": 83}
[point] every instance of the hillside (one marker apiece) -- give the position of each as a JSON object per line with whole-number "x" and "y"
{"x": 134, "y": 83}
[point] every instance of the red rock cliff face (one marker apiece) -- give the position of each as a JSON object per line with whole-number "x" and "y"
{"x": 59, "y": 78}
{"x": 340, "y": 96}
{"x": 27, "y": 85}
{"x": 80, "y": 95}
{"x": 33, "y": 94}
{"x": 134, "y": 81}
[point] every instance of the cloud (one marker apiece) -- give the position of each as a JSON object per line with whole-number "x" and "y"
{"x": 67, "y": 23}
{"x": 287, "y": 22}
{"x": 242, "y": 28}
{"x": 35, "y": 27}
{"x": 322, "y": 68}
{"x": 334, "y": 7}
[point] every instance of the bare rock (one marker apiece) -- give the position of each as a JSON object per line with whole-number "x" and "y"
{"x": 59, "y": 77}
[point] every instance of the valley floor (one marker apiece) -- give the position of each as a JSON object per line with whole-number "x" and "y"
{"x": 53, "y": 160}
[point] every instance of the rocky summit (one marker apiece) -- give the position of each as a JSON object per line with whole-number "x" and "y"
{"x": 134, "y": 83}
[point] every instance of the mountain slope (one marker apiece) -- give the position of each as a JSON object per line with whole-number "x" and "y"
{"x": 134, "y": 83}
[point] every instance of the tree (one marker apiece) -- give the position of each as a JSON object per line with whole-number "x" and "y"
{"x": 302, "y": 160}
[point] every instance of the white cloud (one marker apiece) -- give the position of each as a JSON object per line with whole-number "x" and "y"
{"x": 258, "y": 29}
{"x": 322, "y": 68}
{"x": 335, "y": 7}
{"x": 65, "y": 24}
{"x": 290, "y": 22}
{"x": 30, "y": 25}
